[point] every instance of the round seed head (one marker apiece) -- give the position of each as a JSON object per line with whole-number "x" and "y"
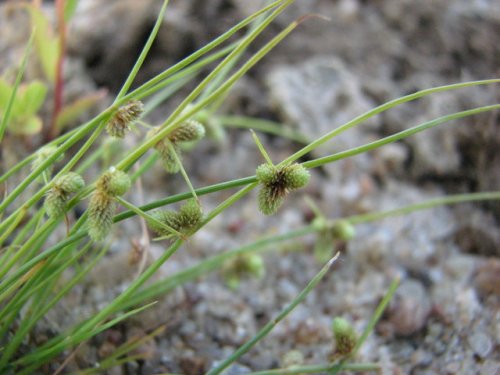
{"x": 266, "y": 173}
{"x": 295, "y": 176}
{"x": 114, "y": 182}
{"x": 169, "y": 161}
{"x": 345, "y": 336}
{"x": 343, "y": 230}
{"x": 255, "y": 265}
{"x": 190, "y": 215}
{"x": 69, "y": 183}
{"x": 189, "y": 131}
{"x": 165, "y": 217}
{"x": 101, "y": 210}
{"x": 124, "y": 117}
{"x": 54, "y": 204}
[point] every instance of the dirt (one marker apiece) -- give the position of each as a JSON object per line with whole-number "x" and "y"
{"x": 445, "y": 316}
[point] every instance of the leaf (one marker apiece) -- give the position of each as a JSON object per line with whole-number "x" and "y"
{"x": 69, "y": 9}
{"x": 29, "y": 126}
{"x": 13, "y": 92}
{"x": 72, "y": 111}
{"x": 47, "y": 44}
{"x": 31, "y": 97}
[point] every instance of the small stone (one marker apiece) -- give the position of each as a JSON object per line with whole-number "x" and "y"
{"x": 410, "y": 308}
{"x": 487, "y": 278}
{"x": 293, "y": 358}
{"x": 480, "y": 343}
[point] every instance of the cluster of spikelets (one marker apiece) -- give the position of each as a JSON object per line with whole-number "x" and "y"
{"x": 61, "y": 191}
{"x": 122, "y": 120}
{"x": 184, "y": 221}
{"x": 276, "y": 182}
{"x": 329, "y": 234}
{"x": 245, "y": 265}
{"x": 102, "y": 204}
{"x": 169, "y": 147}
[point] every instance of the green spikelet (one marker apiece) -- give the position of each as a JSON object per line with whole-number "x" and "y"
{"x": 64, "y": 186}
{"x": 245, "y": 265}
{"x": 168, "y": 159}
{"x": 190, "y": 215}
{"x": 269, "y": 200}
{"x": 114, "y": 182}
{"x": 165, "y": 217}
{"x": 345, "y": 336}
{"x": 276, "y": 182}
{"x": 123, "y": 119}
{"x": 54, "y": 204}
{"x": 295, "y": 176}
{"x": 101, "y": 210}
{"x": 185, "y": 221}
{"x": 168, "y": 148}
{"x": 189, "y": 131}
{"x": 343, "y": 230}
{"x": 265, "y": 173}
{"x": 70, "y": 182}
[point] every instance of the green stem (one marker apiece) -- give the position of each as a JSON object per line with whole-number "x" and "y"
{"x": 82, "y": 132}
{"x": 17, "y": 82}
{"x": 27, "y": 160}
{"x": 265, "y": 126}
{"x": 369, "y": 328}
{"x": 398, "y": 136}
{"x": 146, "y": 216}
{"x": 316, "y": 369}
{"x": 183, "y": 171}
{"x": 384, "y": 107}
{"x": 144, "y": 52}
{"x": 270, "y": 325}
{"x": 207, "y": 265}
{"x": 202, "y": 51}
{"x": 177, "y": 118}
{"x": 48, "y": 351}
{"x": 261, "y": 148}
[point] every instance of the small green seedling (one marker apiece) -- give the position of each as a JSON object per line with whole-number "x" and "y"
{"x": 28, "y": 101}
{"x": 243, "y": 266}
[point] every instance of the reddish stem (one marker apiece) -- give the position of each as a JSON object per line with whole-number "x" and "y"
{"x": 59, "y": 83}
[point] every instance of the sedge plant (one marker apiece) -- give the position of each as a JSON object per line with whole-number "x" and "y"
{"x": 34, "y": 255}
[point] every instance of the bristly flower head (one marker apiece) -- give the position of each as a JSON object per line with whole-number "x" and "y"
{"x": 101, "y": 210}
{"x": 102, "y": 206}
{"x": 124, "y": 117}
{"x": 345, "y": 336}
{"x": 114, "y": 182}
{"x": 343, "y": 230}
{"x": 169, "y": 147}
{"x": 189, "y": 131}
{"x": 276, "y": 182}
{"x": 185, "y": 220}
{"x": 245, "y": 265}
{"x": 64, "y": 186}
